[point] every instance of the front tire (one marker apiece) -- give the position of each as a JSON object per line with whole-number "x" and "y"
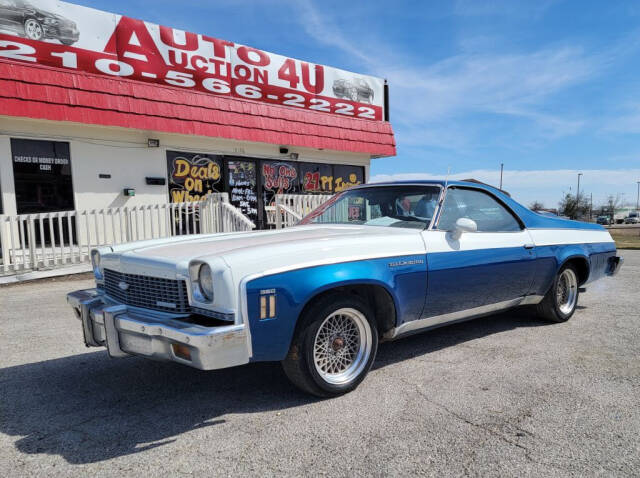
{"x": 560, "y": 302}
{"x": 334, "y": 346}
{"x": 33, "y": 30}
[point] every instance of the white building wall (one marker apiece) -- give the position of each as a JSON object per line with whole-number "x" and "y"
{"x": 124, "y": 155}
{"x": 7, "y": 195}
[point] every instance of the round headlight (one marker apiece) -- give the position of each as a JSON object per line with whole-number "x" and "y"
{"x": 95, "y": 263}
{"x": 205, "y": 280}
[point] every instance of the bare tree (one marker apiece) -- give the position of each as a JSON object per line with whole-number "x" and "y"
{"x": 608, "y": 208}
{"x": 536, "y": 206}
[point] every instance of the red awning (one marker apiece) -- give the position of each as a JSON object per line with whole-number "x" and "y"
{"x": 53, "y": 94}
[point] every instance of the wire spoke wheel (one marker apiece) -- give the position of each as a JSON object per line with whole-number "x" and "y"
{"x": 33, "y": 29}
{"x": 342, "y": 346}
{"x": 567, "y": 291}
{"x": 334, "y": 345}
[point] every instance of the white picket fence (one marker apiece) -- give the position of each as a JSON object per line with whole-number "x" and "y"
{"x": 290, "y": 208}
{"x": 31, "y": 242}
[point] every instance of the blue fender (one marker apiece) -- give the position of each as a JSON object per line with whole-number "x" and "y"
{"x": 573, "y": 251}
{"x": 404, "y": 278}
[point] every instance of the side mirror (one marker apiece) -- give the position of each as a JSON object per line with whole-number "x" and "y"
{"x": 463, "y": 224}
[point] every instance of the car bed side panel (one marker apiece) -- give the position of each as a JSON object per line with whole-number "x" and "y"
{"x": 551, "y": 257}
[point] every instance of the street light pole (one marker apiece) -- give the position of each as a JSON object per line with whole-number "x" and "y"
{"x": 638, "y": 198}
{"x": 502, "y": 169}
{"x": 578, "y": 195}
{"x": 578, "y": 190}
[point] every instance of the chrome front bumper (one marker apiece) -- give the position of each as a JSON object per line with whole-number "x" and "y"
{"x": 615, "y": 263}
{"x": 127, "y": 331}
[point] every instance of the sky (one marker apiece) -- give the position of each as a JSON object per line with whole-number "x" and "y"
{"x": 549, "y": 88}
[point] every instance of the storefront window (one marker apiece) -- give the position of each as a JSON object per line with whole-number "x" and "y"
{"x": 193, "y": 176}
{"x": 346, "y": 176}
{"x": 243, "y": 187}
{"x": 253, "y": 184}
{"x": 316, "y": 178}
{"x": 42, "y": 174}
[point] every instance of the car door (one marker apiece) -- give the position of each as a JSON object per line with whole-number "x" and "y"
{"x": 480, "y": 271}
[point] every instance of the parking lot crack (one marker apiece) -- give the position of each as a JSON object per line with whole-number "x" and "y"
{"x": 467, "y": 420}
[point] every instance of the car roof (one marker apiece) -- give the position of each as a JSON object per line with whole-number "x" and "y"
{"x": 439, "y": 182}
{"x": 531, "y": 219}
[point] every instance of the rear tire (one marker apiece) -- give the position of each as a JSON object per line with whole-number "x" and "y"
{"x": 560, "y": 302}
{"x": 334, "y": 346}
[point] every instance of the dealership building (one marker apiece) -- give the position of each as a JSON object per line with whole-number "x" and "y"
{"x": 99, "y": 110}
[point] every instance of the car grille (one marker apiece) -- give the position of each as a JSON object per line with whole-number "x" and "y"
{"x": 155, "y": 293}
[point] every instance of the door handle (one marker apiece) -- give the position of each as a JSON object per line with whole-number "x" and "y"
{"x": 529, "y": 246}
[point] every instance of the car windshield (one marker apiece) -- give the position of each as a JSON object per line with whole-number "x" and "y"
{"x": 391, "y": 206}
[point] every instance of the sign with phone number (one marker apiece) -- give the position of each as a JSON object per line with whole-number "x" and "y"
{"x": 107, "y": 44}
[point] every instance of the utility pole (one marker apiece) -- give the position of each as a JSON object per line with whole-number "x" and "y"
{"x": 502, "y": 169}
{"x": 591, "y": 209}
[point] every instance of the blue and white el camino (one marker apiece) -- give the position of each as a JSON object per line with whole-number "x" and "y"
{"x": 375, "y": 262}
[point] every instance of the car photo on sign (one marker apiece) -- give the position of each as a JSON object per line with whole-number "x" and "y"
{"x": 357, "y": 90}
{"x": 29, "y": 21}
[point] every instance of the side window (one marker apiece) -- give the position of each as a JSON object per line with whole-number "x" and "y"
{"x": 489, "y": 214}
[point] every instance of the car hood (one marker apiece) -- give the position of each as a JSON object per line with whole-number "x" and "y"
{"x": 252, "y": 252}
{"x": 46, "y": 13}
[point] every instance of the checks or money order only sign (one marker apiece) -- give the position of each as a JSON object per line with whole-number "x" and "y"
{"x": 73, "y": 37}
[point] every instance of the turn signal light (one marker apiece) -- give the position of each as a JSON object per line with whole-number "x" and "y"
{"x": 181, "y": 351}
{"x": 267, "y": 306}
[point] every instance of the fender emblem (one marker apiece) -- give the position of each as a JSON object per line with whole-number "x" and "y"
{"x": 123, "y": 285}
{"x": 406, "y": 263}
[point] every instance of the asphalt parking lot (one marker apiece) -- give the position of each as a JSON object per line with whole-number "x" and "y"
{"x": 502, "y": 395}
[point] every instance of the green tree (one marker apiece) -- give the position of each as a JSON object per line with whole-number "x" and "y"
{"x": 570, "y": 207}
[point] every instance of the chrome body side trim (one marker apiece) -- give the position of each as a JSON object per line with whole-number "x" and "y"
{"x": 128, "y": 331}
{"x": 532, "y": 300}
{"x": 427, "y": 323}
